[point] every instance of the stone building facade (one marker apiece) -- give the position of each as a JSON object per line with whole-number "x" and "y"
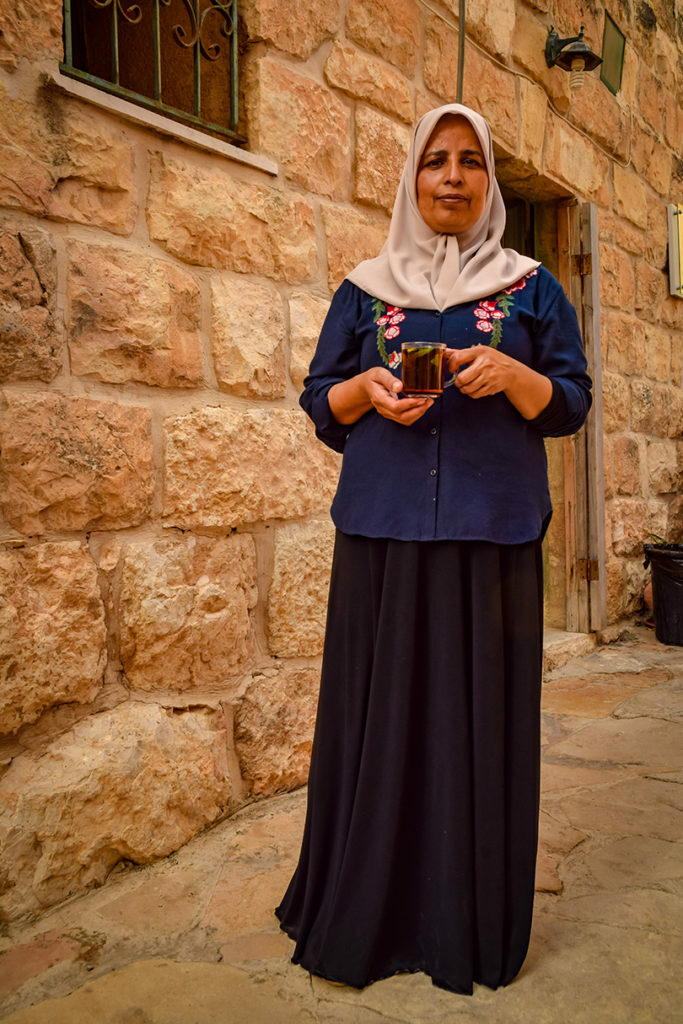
{"x": 165, "y": 540}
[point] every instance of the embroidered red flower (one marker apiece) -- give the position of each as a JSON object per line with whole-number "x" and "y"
{"x": 387, "y": 319}
{"x": 490, "y": 312}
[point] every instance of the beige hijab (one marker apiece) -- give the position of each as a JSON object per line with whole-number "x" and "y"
{"x": 418, "y": 268}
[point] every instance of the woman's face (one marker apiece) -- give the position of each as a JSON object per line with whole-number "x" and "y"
{"x": 452, "y": 180}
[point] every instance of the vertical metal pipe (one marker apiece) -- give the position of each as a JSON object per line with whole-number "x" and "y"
{"x": 461, "y": 50}
{"x": 197, "y": 63}
{"x": 115, "y": 42}
{"x": 68, "y": 42}
{"x": 234, "y": 91}
{"x": 157, "y": 51}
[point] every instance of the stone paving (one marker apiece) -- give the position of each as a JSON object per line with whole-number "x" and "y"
{"x": 193, "y": 940}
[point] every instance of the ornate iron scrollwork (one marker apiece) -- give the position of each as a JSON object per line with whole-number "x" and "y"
{"x": 132, "y": 14}
{"x": 213, "y": 51}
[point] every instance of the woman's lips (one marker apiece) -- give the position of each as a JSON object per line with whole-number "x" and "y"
{"x": 452, "y": 199}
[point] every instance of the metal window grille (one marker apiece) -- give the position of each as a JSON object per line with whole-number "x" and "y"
{"x": 177, "y": 57}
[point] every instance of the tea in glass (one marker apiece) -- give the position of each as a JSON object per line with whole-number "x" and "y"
{"x": 423, "y": 367}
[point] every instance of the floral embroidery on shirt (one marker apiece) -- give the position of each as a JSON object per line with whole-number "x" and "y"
{"x": 491, "y": 313}
{"x": 388, "y": 319}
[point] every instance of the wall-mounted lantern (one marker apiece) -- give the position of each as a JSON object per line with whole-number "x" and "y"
{"x": 572, "y": 55}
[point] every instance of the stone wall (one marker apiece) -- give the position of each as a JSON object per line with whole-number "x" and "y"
{"x": 165, "y": 540}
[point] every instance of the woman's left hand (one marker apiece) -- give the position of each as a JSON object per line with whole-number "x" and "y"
{"x": 487, "y": 372}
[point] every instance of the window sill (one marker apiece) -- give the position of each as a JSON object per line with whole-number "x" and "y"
{"x": 164, "y": 125}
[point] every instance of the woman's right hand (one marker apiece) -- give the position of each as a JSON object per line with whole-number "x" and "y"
{"x": 382, "y": 389}
{"x": 376, "y": 388}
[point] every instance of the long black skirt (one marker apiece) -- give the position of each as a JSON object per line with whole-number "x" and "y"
{"x": 420, "y": 840}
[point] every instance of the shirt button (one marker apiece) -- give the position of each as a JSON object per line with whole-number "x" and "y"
{"x": 433, "y": 431}
{"x": 432, "y": 472}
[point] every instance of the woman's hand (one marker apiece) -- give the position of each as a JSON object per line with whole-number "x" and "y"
{"x": 383, "y": 390}
{"x": 374, "y": 388}
{"x": 489, "y": 371}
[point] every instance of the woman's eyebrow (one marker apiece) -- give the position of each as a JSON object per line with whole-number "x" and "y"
{"x": 444, "y": 152}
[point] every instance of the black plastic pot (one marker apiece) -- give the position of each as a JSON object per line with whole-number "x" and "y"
{"x": 667, "y": 590}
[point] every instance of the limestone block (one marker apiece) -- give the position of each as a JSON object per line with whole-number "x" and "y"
{"x": 674, "y": 525}
{"x": 225, "y": 467}
{"x": 642, "y": 407}
{"x": 675, "y": 398}
{"x": 601, "y": 115}
{"x": 132, "y": 318}
{"x": 616, "y": 278}
{"x": 303, "y": 125}
{"x": 642, "y": 147}
{"x": 625, "y": 344}
{"x": 30, "y": 29}
{"x": 134, "y": 783}
{"x": 210, "y": 219}
{"x": 676, "y": 362}
{"x": 662, "y": 465}
{"x": 615, "y": 398}
{"x": 630, "y": 523}
{"x": 58, "y": 161}
{"x": 651, "y": 287}
{"x": 660, "y": 171}
{"x": 650, "y": 98}
{"x": 673, "y": 121}
{"x": 351, "y": 236}
{"x": 248, "y": 338}
{"x": 491, "y": 25}
{"x": 631, "y": 239}
{"x": 185, "y": 611}
{"x": 274, "y": 723}
{"x": 629, "y": 75}
{"x": 52, "y": 632}
{"x": 492, "y": 91}
{"x": 666, "y": 52}
{"x": 615, "y": 589}
{"x": 423, "y": 103}
{"x": 630, "y": 197}
{"x": 657, "y": 235}
{"x": 297, "y": 599}
{"x": 30, "y": 338}
{"x": 574, "y": 161}
{"x": 72, "y": 463}
{"x": 658, "y": 353}
{"x": 389, "y": 28}
{"x": 381, "y": 150}
{"x": 533, "y": 104}
{"x": 625, "y": 468}
{"x": 298, "y": 27}
{"x": 366, "y": 78}
{"x": 440, "y": 60}
{"x": 306, "y": 315}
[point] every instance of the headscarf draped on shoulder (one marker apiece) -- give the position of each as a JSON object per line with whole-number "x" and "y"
{"x": 419, "y": 268}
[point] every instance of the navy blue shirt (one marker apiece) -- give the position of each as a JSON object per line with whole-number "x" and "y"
{"x": 469, "y": 469}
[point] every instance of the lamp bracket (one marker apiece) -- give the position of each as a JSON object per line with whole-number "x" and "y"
{"x": 554, "y": 45}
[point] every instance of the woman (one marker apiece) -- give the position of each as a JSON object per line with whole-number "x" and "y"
{"x": 420, "y": 839}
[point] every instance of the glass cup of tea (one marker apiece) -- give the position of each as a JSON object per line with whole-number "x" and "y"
{"x": 424, "y": 369}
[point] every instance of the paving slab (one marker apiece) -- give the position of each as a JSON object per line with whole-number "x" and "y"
{"x": 193, "y": 938}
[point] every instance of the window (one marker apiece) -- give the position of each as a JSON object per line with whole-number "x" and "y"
{"x": 177, "y": 57}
